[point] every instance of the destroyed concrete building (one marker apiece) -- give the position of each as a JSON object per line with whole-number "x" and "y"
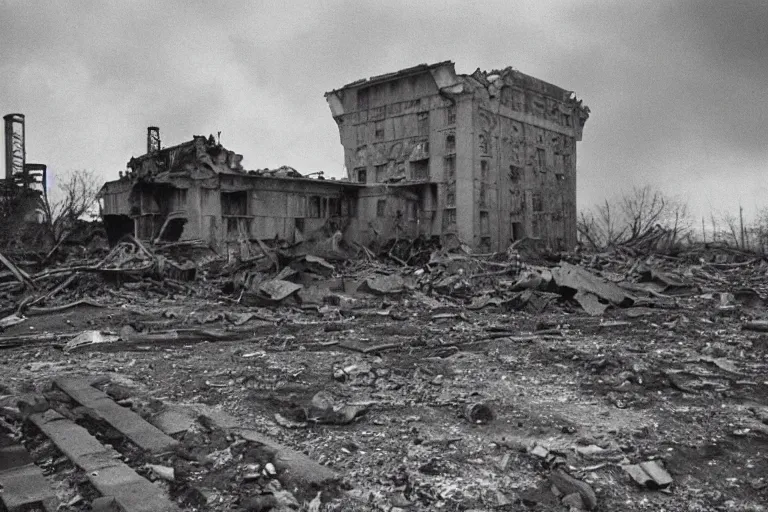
{"x": 485, "y": 159}
{"x": 199, "y": 190}
{"x": 490, "y": 157}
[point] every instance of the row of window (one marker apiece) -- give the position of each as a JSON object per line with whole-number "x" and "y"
{"x": 378, "y": 116}
{"x": 419, "y": 171}
{"x": 412, "y": 209}
{"x": 235, "y": 204}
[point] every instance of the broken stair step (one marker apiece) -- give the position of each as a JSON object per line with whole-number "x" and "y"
{"x": 131, "y": 425}
{"x": 25, "y": 488}
{"x": 23, "y": 484}
{"x": 110, "y": 476}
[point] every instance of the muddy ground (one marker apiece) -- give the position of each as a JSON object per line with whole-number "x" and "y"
{"x": 687, "y": 387}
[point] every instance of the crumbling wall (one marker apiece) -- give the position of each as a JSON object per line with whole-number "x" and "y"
{"x": 387, "y": 213}
{"x": 524, "y": 169}
{"x": 499, "y": 145}
{"x": 257, "y": 207}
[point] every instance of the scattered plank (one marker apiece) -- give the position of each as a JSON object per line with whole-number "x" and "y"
{"x": 131, "y": 425}
{"x": 108, "y": 474}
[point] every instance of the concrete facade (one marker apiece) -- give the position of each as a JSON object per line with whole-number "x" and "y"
{"x": 490, "y": 156}
{"x": 486, "y": 159}
{"x": 199, "y": 191}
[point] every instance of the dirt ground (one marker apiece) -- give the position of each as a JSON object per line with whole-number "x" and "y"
{"x": 686, "y": 387}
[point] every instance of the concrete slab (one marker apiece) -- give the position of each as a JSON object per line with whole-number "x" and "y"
{"x": 25, "y": 487}
{"x": 131, "y": 425}
{"x": 132, "y": 492}
{"x": 13, "y": 456}
{"x": 172, "y": 422}
{"x": 72, "y": 439}
{"x": 110, "y": 476}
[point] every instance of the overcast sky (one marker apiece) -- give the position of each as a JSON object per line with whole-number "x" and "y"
{"x": 674, "y": 86}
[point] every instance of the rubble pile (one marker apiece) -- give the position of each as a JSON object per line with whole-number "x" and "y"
{"x": 289, "y": 378}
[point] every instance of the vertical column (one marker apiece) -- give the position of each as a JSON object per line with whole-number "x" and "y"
{"x": 153, "y": 139}
{"x": 465, "y": 166}
{"x": 15, "y": 148}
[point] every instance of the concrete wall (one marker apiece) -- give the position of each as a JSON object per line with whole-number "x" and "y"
{"x": 385, "y": 213}
{"x": 230, "y": 207}
{"x": 501, "y": 150}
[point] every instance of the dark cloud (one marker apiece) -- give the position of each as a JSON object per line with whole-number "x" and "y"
{"x": 675, "y": 88}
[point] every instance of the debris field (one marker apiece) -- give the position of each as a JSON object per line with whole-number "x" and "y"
{"x": 328, "y": 378}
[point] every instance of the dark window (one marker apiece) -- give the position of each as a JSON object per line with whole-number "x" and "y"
{"x": 485, "y": 244}
{"x": 541, "y": 158}
{"x": 361, "y": 175}
{"x": 180, "y": 199}
{"x": 567, "y": 163}
{"x": 314, "y": 207}
{"x": 481, "y": 196}
{"x": 449, "y": 217}
{"x": 362, "y": 99}
{"x": 334, "y": 207}
{"x": 560, "y": 177}
{"x": 234, "y": 203}
{"x": 484, "y": 166}
{"x": 566, "y": 120}
{"x": 450, "y": 115}
{"x": 381, "y": 207}
{"x": 352, "y": 207}
{"x": 517, "y": 231}
{"x": 423, "y": 123}
{"x": 420, "y": 170}
{"x": 413, "y": 208}
{"x": 381, "y": 173}
{"x": 379, "y": 130}
{"x": 515, "y": 173}
{"x": 538, "y": 205}
{"x": 449, "y": 166}
{"x": 450, "y": 144}
{"x": 485, "y": 225}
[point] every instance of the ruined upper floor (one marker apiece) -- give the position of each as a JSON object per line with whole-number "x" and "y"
{"x": 507, "y": 89}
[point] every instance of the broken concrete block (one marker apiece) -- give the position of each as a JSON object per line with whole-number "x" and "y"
{"x": 569, "y": 485}
{"x": 384, "y": 285}
{"x": 649, "y": 474}
{"x": 580, "y": 280}
{"x": 278, "y": 290}
{"x": 314, "y": 295}
{"x": 164, "y": 472}
{"x": 590, "y": 303}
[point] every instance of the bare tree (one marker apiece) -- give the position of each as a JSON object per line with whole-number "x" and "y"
{"x": 641, "y": 212}
{"x": 603, "y": 226}
{"x": 73, "y": 199}
{"x": 643, "y": 209}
